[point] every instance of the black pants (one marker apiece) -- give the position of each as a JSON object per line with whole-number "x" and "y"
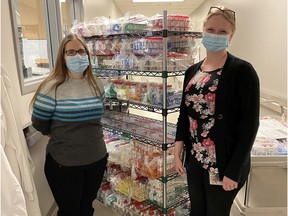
{"x": 74, "y": 188}
{"x": 206, "y": 199}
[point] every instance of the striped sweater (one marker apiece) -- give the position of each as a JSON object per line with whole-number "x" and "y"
{"x": 71, "y": 117}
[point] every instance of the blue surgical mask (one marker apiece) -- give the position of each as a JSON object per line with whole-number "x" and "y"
{"x": 77, "y": 64}
{"x": 215, "y": 42}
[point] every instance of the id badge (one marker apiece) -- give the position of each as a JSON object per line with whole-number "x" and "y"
{"x": 214, "y": 178}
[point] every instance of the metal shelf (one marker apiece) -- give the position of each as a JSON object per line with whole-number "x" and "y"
{"x": 145, "y": 34}
{"x": 103, "y": 72}
{"x": 184, "y": 197}
{"x": 146, "y": 130}
{"x": 122, "y": 72}
{"x": 140, "y": 128}
{"x": 142, "y": 106}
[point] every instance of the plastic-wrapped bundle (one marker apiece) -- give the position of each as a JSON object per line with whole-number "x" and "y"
{"x": 148, "y": 160}
{"x": 135, "y": 23}
{"x": 175, "y": 22}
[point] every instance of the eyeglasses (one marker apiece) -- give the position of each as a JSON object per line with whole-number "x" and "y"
{"x": 81, "y": 52}
{"x": 227, "y": 12}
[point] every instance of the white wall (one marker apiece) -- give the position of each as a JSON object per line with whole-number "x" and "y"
{"x": 97, "y": 8}
{"x": 260, "y": 38}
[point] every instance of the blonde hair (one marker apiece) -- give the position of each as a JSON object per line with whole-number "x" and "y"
{"x": 60, "y": 71}
{"x": 227, "y": 13}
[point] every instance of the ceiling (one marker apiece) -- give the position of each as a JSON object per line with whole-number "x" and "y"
{"x": 152, "y": 8}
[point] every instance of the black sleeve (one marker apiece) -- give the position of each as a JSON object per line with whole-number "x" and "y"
{"x": 248, "y": 94}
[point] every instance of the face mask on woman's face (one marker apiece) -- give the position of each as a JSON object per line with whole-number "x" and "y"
{"x": 77, "y": 64}
{"x": 215, "y": 42}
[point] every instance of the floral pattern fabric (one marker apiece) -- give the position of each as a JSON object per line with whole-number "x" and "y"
{"x": 200, "y": 97}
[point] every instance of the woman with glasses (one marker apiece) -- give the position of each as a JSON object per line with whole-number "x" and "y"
{"x": 218, "y": 120}
{"x": 68, "y": 106}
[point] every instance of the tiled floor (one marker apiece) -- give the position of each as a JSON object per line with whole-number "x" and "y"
{"x": 102, "y": 210}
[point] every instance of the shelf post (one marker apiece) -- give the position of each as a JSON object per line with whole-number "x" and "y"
{"x": 164, "y": 117}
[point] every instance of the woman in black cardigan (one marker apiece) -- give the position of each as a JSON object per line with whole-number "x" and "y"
{"x": 218, "y": 120}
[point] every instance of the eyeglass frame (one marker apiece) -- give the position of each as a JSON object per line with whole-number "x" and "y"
{"x": 76, "y": 51}
{"x": 222, "y": 10}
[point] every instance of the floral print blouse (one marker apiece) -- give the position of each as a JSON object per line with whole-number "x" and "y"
{"x": 200, "y": 96}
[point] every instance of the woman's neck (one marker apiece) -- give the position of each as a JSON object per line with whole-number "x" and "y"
{"x": 214, "y": 60}
{"x": 75, "y": 76}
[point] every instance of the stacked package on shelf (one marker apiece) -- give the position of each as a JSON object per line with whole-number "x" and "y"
{"x": 137, "y": 54}
{"x": 131, "y": 24}
{"x": 120, "y": 166}
{"x": 145, "y": 159}
{"x": 121, "y": 197}
{"x": 135, "y": 23}
{"x": 144, "y": 127}
{"x": 271, "y": 139}
{"x": 175, "y": 22}
{"x": 128, "y": 187}
{"x": 133, "y": 189}
{"x": 130, "y": 207}
{"x": 176, "y": 190}
{"x": 119, "y": 150}
{"x": 148, "y": 160}
{"x": 143, "y": 92}
{"x": 181, "y": 50}
{"x": 183, "y": 210}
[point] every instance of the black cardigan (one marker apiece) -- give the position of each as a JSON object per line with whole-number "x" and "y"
{"x": 236, "y": 117}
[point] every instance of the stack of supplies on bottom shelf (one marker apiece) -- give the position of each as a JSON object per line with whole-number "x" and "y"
{"x": 133, "y": 184}
{"x": 176, "y": 191}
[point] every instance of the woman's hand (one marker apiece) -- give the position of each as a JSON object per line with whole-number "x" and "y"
{"x": 179, "y": 166}
{"x": 178, "y": 148}
{"x": 229, "y": 184}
